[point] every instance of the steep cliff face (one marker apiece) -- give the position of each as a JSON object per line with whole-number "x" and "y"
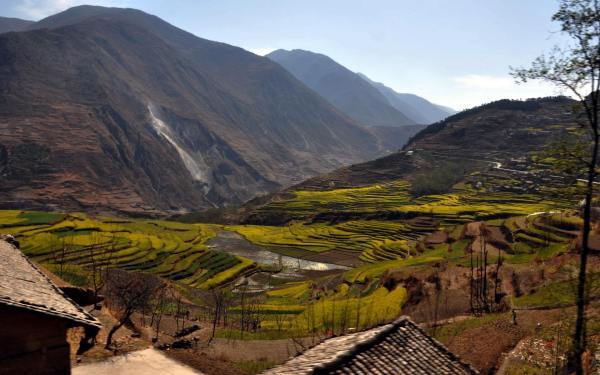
{"x": 113, "y": 109}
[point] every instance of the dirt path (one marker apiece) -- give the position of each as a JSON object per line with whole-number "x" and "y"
{"x": 147, "y": 362}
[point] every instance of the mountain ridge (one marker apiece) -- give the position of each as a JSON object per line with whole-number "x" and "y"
{"x": 419, "y": 109}
{"x": 341, "y": 87}
{"x": 473, "y": 133}
{"x": 10, "y": 24}
{"x": 373, "y": 104}
{"x": 114, "y": 78}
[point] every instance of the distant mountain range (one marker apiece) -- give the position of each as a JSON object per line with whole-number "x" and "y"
{"x": 13, "y": 24}
{"x": 420, "y": 110}
{"x": 110, "y": 109}
{"x": 368, "y": 102}
{"x": 346, "y": 90}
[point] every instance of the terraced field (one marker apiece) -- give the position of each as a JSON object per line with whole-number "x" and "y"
{"x": 436, "y": 232}
{"x": 367, "y": 240}
{"x": 359, "y": 298}
{"x": 392, "y": 200}
{"x": 383, "y": 222}
{"x": 76, "y": 241}
{"x": 521, "y": 239}
{"x": 306, "y": 307}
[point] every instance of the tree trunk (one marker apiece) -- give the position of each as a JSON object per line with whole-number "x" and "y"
{"x": 496, "y": 278}
{"x": 112, "y": 332}
{"x": 215, "y": 322}
{"x": 579, "y": 339}
{"x": 471, "y": 282}
{"x": 158, "y": 319}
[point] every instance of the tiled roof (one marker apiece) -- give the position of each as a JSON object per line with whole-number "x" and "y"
{"x": 397, "y": 348}
{"x": 23, "y": 285}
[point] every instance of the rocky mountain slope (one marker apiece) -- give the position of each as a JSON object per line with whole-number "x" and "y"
{"x": 505, "y": 131}
{"x": 110, "y": 109}
{"x": 8, "y": 24}
{"x": 343, "y": 88}
{"x": 420, "y": 110}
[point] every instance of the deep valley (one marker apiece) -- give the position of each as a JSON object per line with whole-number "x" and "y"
{"x": 226, "y": 212}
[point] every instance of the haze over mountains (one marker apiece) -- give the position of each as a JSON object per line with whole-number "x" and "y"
{"x": 120, "y": 102}
{"x": 368, "y": 102}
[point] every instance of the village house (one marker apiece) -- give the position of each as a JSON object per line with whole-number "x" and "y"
{"x": 34, "y": 318}
{"x": 397, "y": 348}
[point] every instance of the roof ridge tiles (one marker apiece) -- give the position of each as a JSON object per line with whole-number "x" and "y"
{"x": 360, "y": 347}
{"x": 398, "y": 347}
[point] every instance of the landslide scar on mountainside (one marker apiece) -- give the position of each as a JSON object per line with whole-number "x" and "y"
{"x": 196, "y": 166}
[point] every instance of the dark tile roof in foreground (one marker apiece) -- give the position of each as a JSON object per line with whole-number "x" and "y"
{"x": 23, "y": 285}
{"x": 397, "y": 348}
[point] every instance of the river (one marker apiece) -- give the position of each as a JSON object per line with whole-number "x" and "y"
{"x": 236, "y": 244}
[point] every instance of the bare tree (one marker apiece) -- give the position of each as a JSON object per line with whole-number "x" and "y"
{"x": 479, "y": 282}
{"x": 345, "y": 311}
{"x": 577, "y": 69}
{"x": 94, "y": 259}
{"x": 100, "y": 254}
{"x": 66, "y": 245}
{"x": 243, "y": 307}
{"x": 311, "y": 320}
{"x": 358, "y": 308}
{"x": 497, "y": 280}
{"x": 279, "y": 320}
{"x": 219, "y": 301}
{"x": 179, "y": 312}
{"x": 484, "y": 232}
{"x": 158, "y": 308}
{"x": 127, "y": 292}
{"x": 438, "y": 292}
{"x": 471, "y": 279}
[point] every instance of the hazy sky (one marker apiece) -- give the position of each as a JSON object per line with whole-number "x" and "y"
{"x": 452, "y": 52}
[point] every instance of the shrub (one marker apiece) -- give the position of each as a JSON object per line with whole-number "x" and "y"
{"x": 439, "y": 180}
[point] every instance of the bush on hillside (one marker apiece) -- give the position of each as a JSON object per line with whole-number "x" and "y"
{"x": 438, "y": 180}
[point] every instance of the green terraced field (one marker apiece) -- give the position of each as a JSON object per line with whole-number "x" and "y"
{"x": 330, "y": 304}
{"x": 393, "y": 220}
{"x": 370, "y": 240}
{"x": 461, "y": 205}
{"x": 379, "y": 197}
{"x": 169, "y": 249}
{"x": 302, "y": 307}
